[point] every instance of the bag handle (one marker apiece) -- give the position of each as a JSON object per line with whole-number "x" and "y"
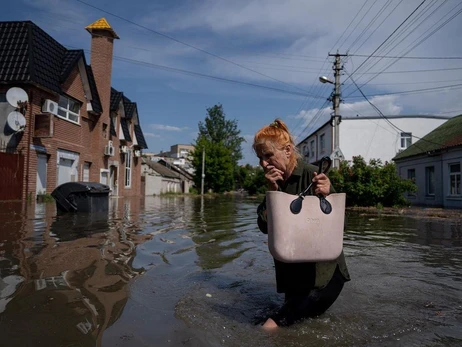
{"x": 326, "y": 207}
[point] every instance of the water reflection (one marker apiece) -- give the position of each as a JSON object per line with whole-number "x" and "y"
{"x": 197, "y": 272}
{"x": 71, "y": 281}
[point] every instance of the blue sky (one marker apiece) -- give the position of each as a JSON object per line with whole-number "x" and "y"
{"x": 262, "y": 58}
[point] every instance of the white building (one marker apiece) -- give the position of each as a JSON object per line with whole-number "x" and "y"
{"x": 370, "y": 137}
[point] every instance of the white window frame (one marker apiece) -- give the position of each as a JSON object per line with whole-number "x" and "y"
{"x": 69, "y": 115}
{"x": 406, "y": 140}
{"x": 128, "y": 168}
{"x": 101, "y": 172}
{"x": 322, "y": 143}
{"x": 455, "y": 177}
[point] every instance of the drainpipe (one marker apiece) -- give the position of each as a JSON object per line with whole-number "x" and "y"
{"x": 29, "y": 140}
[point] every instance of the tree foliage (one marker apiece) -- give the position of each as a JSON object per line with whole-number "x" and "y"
{"x": 251, "y": 179}
{"x": 221, "y": 140}
{"x": 371, "y": 184}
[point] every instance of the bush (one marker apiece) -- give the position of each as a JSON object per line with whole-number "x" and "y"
{"x": 371, "y": 184}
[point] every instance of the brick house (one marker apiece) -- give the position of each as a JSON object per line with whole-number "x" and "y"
{"x": 77, "y": 128}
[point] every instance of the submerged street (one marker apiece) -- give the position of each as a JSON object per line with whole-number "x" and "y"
{"x": 186, "y": 271}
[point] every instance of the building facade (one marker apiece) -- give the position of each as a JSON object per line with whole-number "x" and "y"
{"x": 70, "y": 129}
{"x": 369, "y": 137}
{"x": 434, "y": 163}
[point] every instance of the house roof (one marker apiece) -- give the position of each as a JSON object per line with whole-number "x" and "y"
{"x": 129, "y": 112}
{"x": 125, "y": 129}
{"x": 29, "y": 55}
{"x": 447, "y": 135}
{"x": 160, "y": 169}
{"x": 116, "y": 96}
{"x": 176, "y": 168}
{"x": 129, "y": 106}
{"x": 140, "y": 137}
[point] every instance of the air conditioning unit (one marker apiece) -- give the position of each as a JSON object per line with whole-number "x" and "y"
{"x": 123, "y": 149}
{"x": 49, "y": 106}
{"x": 137, "y": 153}
{"x": 109, "y": 149}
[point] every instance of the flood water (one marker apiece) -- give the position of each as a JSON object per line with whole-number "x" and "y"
{"x": 186, "y": 271}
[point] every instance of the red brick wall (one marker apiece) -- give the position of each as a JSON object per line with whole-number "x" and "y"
{"x": 87, "y": 138}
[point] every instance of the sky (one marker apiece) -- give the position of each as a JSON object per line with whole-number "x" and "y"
{"x": 262, "y": 59}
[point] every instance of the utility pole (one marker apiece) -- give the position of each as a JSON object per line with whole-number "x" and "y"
{"x": 336, "y": 117}
{"x": 203, "y": 173}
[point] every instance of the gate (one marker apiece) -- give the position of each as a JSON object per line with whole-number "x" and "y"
{"x": 11, "y": 176}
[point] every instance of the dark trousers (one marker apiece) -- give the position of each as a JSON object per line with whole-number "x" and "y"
{"x": 297, "y": 307}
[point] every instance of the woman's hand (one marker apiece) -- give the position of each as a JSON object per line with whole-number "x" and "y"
{"x": 322, "y": 184}
{"x": 273, "y": 175}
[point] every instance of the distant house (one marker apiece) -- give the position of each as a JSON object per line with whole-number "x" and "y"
{"x": 73, "y": 128}
{"x": 371, "y": 137}
{"x": 178, "y": 155}
{"x": 434, "y": 163}
{"x": 158, "y": 179}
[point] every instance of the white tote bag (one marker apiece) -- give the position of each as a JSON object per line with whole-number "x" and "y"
{"x": 308, "y": 236}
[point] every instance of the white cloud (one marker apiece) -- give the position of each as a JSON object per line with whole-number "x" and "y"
{"x": 151, "y": 135}
{"x": 166, "y": 127}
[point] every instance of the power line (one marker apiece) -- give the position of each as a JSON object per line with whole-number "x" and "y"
{"x": 415, "y": 91}
{"x": 198, "y": 74}
{"x": 404, "y": 57}
{"x": 422, "y": 40}
{"x": 357, "y": 13}
{"x": 187, "y": 44}
{"x": 389, "y": 36}
{"x": 386, "y": 119}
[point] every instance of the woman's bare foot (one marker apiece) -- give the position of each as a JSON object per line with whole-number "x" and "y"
{"x": 270, "y": 325}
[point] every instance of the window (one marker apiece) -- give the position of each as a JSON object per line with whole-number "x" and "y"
{"x": 406, "y": 140}
{"x": 411, "y": 174}
{"x": 322, "y": 143}
{"x": 430, "y": 180}
{"x": 454, "y": 179}
{"x": 312, "y": 148}
{"x": 128, "y": 168}
{"x": 68, "y": 109}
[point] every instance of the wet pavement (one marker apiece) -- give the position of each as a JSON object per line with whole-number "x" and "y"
{"x": 186, "y": 271}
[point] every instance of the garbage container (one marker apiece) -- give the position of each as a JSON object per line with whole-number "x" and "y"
{"x": 81, "y": 197}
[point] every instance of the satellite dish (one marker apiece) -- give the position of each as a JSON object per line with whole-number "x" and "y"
{"x": 16, "y": 121}
{"x": 15, "y": 94}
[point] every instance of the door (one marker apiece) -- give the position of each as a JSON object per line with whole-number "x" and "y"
{"x": 65, "y": 170}
{"x": 113, "y": 179}
{"x": 41, "y": 186}
{"x": 86, "y": 172}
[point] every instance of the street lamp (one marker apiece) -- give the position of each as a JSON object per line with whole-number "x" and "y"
{"x": 324, "y": 79}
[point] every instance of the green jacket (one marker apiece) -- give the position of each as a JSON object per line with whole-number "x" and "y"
{"x": 300, "y": 278}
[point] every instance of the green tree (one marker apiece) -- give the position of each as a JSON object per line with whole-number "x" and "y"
{"x": 220, "y": 139}
{"x": 252, "y": 179}
{"x": 371, "y": 184}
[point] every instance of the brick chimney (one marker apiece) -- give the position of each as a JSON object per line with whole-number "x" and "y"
{"x": 102, "y": 46}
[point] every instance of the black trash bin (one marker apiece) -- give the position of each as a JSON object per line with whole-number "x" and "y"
{"x": 81, "y": 197}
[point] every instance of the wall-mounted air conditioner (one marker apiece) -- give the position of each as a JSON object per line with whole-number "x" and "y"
{"x": 137, "y": 153}
{"x": 123, "y": 149}
{"x": 49, "y": 106}
{"x": 109, "y": 149}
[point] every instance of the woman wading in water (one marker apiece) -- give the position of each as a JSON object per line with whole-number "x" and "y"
{"x": 309, "y": 288}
